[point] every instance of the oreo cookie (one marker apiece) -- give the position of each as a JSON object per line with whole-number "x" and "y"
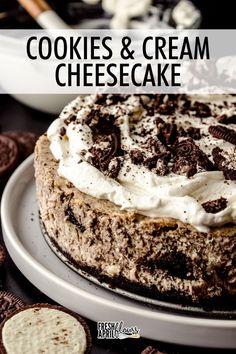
{"x": 225, "y": 162}
{"x": 220, "y": 132}
{"x": 25, "y": 140}
{"x": 9, "y": 156}
{"x": 215, "y": 206}
{"x": 44, "y": 328}
{"x": 189, "y": 158}
{"x": 8, "y": 304}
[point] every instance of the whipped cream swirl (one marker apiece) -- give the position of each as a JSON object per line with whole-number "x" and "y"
{"x": 123, "y": 10}
{"x": 136, "y": 187}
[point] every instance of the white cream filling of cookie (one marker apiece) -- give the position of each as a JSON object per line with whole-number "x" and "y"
{"x": 43, "y": 330}
{"x": 137, "y": 188}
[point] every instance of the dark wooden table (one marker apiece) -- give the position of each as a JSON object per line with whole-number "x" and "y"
{"x": 14, "y": 115}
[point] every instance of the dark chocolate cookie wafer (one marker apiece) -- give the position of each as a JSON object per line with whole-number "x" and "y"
{"x": 215, "y": 206}
{"x": 25, "y": 140}
{"x": 225, "y": 162}
{"x": 220, "y": 132}
{"x": 8, "y": 304}
{"x": 9, "y": 156}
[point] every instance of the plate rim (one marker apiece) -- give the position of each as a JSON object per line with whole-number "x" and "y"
{"x": 7, "y": 225}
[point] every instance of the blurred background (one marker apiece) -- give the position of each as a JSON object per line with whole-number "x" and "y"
{"x": 215, "y": 15}
{"x": 98, "y": 14}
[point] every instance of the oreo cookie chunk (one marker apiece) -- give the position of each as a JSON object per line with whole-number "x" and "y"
{"x": 8, "y": 304}
{"x": 215, "y": 206}
{"x": 225, "y": 162}
{"x": 44, "y": 328}
{"x": 25, "y": 140}
{"x": 9, "y": 156}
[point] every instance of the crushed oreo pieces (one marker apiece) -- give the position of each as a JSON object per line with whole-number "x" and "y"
{"x": 156, "y": 146}
{"x": 220, "y": 132}
{"x": 62, "y": 131}
{"x": 166, "y": 132}
{"x": 136, "y": 156}
{"x": 189, "y": 158}
{"x": 215, "y": 206}
{"x": 100, "y": 123}
{"x": 167, "y": 108}
{"x": 105, "y": 152}
{"x": 201, "y": 110}
{"x": 157, "y": 101}
{"x": 225, "y": 162}
{"x": 158, "y": 163}
{"x": 103, "y": 99}
{"x": 225, "y": 119}
{"x": 114, "y": 167}
{"x": 194, "y": 133}
{"x": 71, "y": 118}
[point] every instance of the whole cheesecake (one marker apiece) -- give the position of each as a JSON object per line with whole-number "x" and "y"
{"x": 140, "y": 192}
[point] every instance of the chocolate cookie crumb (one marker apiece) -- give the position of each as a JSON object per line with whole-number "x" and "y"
{"x": 167, "y": 108}
{"x": 225, "y": 119}
{"x": 215, "y": 206}
{"x": 136, "y": 156}
{"x": 220, "y": 132}
{"x": 62, "y": 131}
{"x": 189, "y": 158}
{"x": 71, "y": 118}
{"x": 225, "y": 162}
{"x": 158, "y": 164}
{"x": 110, "y": 99}
{"x": 167, "y": 132}
{"x": 114, "y": 167}
{"x": 194, "y": 133}
{"x": 202, "y": 110}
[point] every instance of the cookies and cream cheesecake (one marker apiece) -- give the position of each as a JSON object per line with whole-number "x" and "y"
{"x": 140, "y": 191}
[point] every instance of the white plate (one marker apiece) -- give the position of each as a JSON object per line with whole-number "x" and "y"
{"x": 31, "y": 254}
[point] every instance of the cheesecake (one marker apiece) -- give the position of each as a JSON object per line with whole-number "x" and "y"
{"x": 140, "y": 192}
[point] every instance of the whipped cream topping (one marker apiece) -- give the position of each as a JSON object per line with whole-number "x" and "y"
{"x": 186, "y": 15}
{"x": 123, "y": 10}
{"x": 43, "y": 330}
{"x": 152, "y": 192}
